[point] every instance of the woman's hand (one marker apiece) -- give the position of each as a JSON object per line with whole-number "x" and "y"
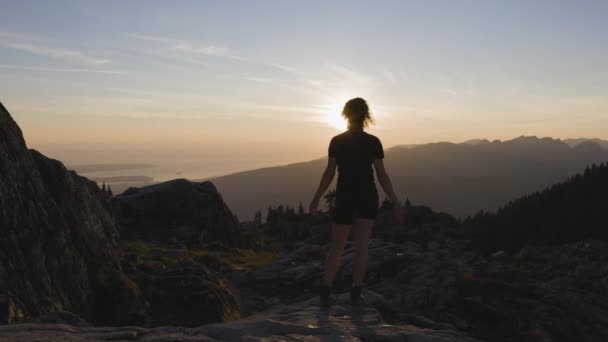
{"x": 314, "y": 204}
{"x": 328, "y": 176}
{"x": 398, "y": 213}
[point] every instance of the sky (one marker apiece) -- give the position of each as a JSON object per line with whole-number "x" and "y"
{"x": 264, "y": 81}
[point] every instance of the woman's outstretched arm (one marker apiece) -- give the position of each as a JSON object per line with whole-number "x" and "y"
{"x": 328, "y": 176}
{"x": 387, "y": 186}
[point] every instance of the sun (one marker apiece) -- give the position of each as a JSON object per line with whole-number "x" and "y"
{"x": 333, "y": 116}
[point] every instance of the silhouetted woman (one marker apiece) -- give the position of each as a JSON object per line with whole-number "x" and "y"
{"x": 353, "y": 152}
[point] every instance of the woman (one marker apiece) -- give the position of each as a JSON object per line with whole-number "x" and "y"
{"x": 353, "y": 152}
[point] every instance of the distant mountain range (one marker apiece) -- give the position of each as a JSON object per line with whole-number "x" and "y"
{"x": 575, "y": 142}
{"x": 570, "y": 142}
{"x": 460, "y": 179}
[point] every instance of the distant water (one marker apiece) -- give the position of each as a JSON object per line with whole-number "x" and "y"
{"x": 121, "y": 176}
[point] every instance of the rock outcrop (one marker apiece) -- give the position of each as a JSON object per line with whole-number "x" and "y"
{"x": 302, "y": 321}
{"x": 58, "y": 242}
{"x": 183, "y": 287}
{"x": 178, "y": 211}
{"x": 164, "y": 228}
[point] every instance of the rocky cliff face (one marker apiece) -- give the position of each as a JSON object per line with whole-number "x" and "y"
{"x": 178, "y": 211}
{"x": 58, "y": 242}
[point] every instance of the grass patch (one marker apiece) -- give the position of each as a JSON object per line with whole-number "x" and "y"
{"x": 153, "y": 256}
{"x": 248, "y": 259}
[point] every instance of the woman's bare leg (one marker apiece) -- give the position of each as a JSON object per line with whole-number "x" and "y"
{"x": 362, "y": 232}
{"x": 339, "y": 236}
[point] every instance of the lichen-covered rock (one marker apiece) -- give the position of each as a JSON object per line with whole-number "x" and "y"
{"x": 58, "y": 242}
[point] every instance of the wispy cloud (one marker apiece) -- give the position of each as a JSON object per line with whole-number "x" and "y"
{"x": 328, "y": 77}
{"x": 288, "y": 69}
{"x": 50, "y": 69}
{"x": 57, "y": 53}
{"x": 350, "y": 74}
{"x": 185, "y": 45}
{"x": 152, "y": 38}
{"x": 33, "y": 46}
{"x": 187, "y": 51}
{"x": 259, "y": 79}
{"x": 210, "y": 50}
{"x": 194, "y": 49}
{"x": 18, "y": 36}
{"x": 389, "y": 76}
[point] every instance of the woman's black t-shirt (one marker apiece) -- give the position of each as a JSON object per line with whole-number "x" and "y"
{"x": 355, "y": 152}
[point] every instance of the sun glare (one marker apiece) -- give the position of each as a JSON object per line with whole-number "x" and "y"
{"x": 333, "y": 116}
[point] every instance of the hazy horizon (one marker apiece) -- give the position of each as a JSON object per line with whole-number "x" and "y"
{"x": 141, "y": 173}
{"x": 143, "y": 81}
{"x": 108, "y": 154}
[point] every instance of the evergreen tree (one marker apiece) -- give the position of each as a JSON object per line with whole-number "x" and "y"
{"x": 565, "y": 212}
{"x": 284, "y": 223}
{"x": 386, "y": 204}
{"x": 300, "y": 209}
{"x": 330, "y": 200}
{"x": 270, "y": 215}
{"x": 258, "y": 217}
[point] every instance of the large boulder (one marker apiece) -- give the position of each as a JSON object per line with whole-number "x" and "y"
{"x": 58, "y": 242}
{"x": 180, "y": 211}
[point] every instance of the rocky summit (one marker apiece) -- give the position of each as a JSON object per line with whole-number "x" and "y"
{"x": 436, "y": 281}
{"x": 428, "y": 289}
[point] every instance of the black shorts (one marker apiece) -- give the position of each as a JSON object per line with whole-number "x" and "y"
{"x": 355, "y": 204}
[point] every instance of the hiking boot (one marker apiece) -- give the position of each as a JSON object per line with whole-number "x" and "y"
{"x": 325, "y": 296}
{"x": 355, "y": 294}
